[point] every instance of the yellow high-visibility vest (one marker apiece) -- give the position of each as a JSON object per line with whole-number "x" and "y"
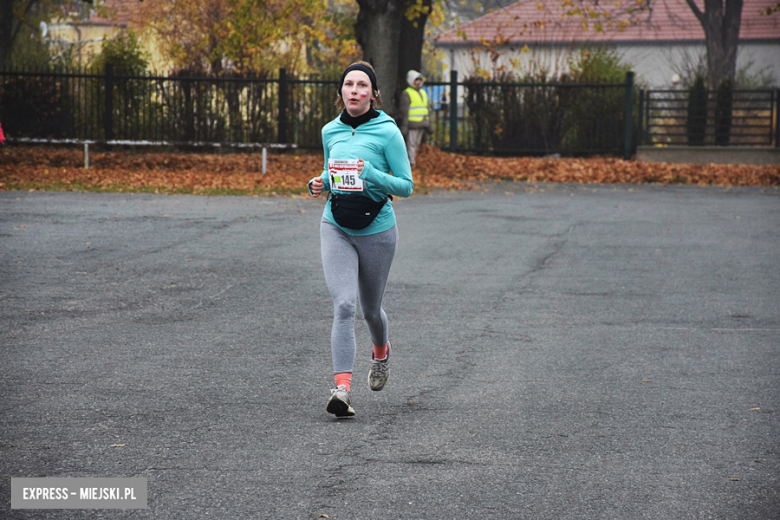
{"x": 418, "y": 108}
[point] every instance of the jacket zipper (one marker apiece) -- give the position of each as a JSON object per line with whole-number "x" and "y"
{"x": 349, "y": 150}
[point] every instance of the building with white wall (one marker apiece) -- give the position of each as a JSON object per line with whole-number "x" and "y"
{"x": 660, "y": 43}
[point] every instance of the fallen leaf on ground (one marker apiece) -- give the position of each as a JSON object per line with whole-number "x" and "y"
{"x": 22, "y": 166}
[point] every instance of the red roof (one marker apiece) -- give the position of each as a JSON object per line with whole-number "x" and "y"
{"x": 546, "y": 21}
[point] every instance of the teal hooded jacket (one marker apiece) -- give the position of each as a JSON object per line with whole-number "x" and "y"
{"x": 386, "y": 169}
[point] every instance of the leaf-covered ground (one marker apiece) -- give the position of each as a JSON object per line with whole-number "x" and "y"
{"x": 50, "y": 168}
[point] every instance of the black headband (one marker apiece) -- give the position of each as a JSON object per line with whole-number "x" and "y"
{"x": 361, "y": 68}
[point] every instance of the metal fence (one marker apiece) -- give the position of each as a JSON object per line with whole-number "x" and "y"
{"x": 741, "y": 118}
{"x": 538, "y": 118}
{"x": 177, "y": 109}
{"x": 486, "y": 117}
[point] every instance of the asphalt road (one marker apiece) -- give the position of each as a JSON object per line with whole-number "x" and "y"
{"x": 560, "y": 352}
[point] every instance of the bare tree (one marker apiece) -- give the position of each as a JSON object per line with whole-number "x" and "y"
{"x": 721, "y": 30}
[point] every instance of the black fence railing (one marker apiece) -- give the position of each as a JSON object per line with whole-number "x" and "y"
{"x": 487, "y": 117}
{"x": 740, "y": 118}
{"x": 175, "y": 109}
{"x": 538, "y": 118}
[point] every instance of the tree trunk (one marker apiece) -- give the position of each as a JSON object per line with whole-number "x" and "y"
{"x": 391, "y": 43}
{"x": 724, "y": 105}
{"x": 410, "y": 46}
{"x": 721, "y": 30}
{"x": 378, "y": 33}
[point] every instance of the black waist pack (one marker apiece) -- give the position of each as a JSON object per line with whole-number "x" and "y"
{"x": 354, "y": 211}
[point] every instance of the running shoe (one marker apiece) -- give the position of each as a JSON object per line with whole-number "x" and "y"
{"x": 380, "y": 371}
{"x": 340, "y": 402}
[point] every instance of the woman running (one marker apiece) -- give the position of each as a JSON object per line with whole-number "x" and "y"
{"x": 365, "y": 165}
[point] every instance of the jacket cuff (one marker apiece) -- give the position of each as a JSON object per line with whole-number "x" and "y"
{"x": 368, "y": 171}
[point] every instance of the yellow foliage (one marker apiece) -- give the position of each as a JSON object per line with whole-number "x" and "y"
{"x": 437, "y": 16}
{"x": 416, "y": 10}
{"x": 254, "y": 36}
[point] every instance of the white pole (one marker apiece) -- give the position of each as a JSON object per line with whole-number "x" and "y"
{"x": 86, "y": 156}
{"x": 264, "y": 160}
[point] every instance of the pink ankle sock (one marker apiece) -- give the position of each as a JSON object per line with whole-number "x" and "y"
{"x": 344, "y": 378}
{"x": 380, "y": 352}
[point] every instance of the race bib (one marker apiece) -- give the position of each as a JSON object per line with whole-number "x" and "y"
{"x": 344, "y": 175}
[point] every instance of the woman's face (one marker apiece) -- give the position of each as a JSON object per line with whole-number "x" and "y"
{"x": 356, "y": 93}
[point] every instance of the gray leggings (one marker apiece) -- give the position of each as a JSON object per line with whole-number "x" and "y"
{"x": 356, "y": 264}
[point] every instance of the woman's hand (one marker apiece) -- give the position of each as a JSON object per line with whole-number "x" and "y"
{"x": 316, "y": 187}
{"x": 360, "y": 167}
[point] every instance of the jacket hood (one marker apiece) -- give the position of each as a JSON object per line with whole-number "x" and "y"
{"x": 413, "y": 75}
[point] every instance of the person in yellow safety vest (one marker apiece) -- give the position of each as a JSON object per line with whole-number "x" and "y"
{"x": 413, "y": 117}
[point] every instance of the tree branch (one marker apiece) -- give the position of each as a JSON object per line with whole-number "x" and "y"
{"x": 21, "y": 22}
{"x": 696, "y": 10}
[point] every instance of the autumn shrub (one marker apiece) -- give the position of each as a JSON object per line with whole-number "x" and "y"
{"x": 511, "y": 117}
{"x": 132, "y": 96}
{"x": 578, "y": 111}
{"x": 37, "y": 106}
{"x": 543, "y": 117}
{"x": 594, "y": 116}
